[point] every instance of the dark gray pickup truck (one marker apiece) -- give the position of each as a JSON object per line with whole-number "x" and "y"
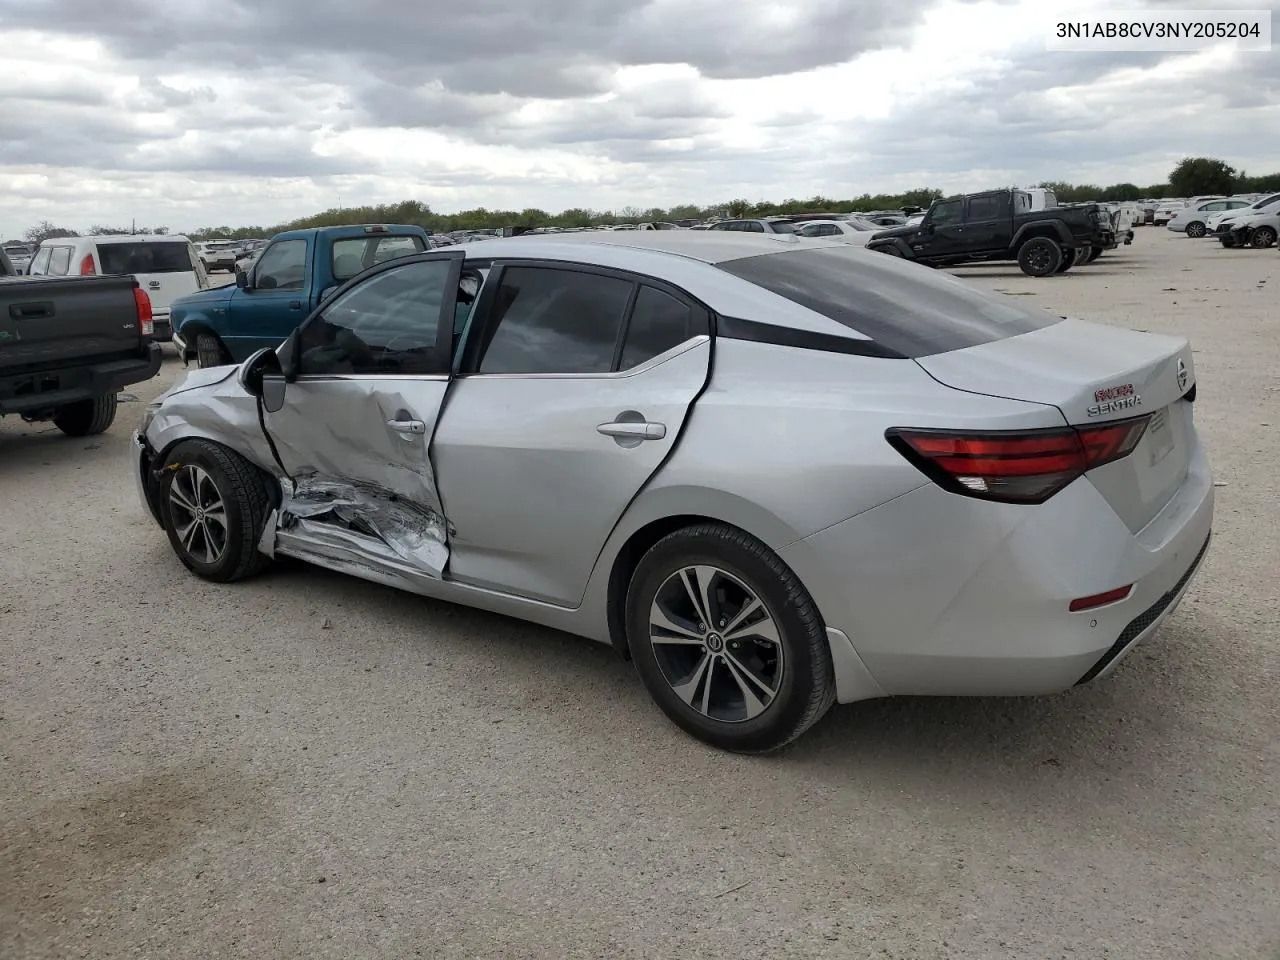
{"x": 69, "y": 344}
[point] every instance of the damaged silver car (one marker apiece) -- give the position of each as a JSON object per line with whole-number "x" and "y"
{"x": 773, "y": 473}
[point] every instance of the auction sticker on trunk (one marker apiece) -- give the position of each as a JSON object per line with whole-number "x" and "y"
{"x": 1159, "y": 436}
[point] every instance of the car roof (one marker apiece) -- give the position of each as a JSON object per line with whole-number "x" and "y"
{"x": 685, "y": 258}
{"x": 140, "y": 238}
{"x": 707, "y": 246}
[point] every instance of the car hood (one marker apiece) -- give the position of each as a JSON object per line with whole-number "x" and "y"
{"x": 210, "y": 297}
{"x": 198, "y": 378}
{"x": 895, "y": 232}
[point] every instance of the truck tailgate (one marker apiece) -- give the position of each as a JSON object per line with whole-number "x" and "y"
{"x": 51, "y": 320}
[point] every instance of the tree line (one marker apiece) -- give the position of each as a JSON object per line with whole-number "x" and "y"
{"x": 1193, "y": 176}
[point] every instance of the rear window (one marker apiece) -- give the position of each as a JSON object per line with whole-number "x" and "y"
{"x": 354, "y": 254}
{"x": 909, "y": 309}
{"x": 145, "y": 258}
{"x": 782, "y": 226}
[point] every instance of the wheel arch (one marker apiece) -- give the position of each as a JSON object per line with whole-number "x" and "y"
{"x": 1050, "y": 229}
{"x": 655, "y": 516}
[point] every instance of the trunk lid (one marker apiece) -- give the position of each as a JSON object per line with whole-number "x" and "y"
{"x": 46, "y": 321}
{"x": 1096, "y": 374}
{"x": 165, "y": 269}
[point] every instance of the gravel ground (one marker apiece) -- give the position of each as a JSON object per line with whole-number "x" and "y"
{"x": 310, "y": 766}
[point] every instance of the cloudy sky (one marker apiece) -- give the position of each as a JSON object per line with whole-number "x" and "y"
{"x": 204, "y": 112}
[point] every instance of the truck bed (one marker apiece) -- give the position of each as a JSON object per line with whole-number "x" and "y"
{"x": 64, "y": 339}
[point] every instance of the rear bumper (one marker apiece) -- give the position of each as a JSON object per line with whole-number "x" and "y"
{"x": 49, "y": 389}
{"x": 951, "y": 596}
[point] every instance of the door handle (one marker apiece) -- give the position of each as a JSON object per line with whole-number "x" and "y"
{"x": 633, "y": 430}
{"x": 408, "y": 426}
{"x": 295, "y": 304}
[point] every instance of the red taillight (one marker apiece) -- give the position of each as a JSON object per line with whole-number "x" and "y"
{"x": 87, "y": 269}
{"x": 146, "y": 322}
{"x": 1099, "y": 599}
{"x": 1015, "y": 466}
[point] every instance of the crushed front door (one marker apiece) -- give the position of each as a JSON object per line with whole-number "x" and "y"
{"x": 356, "y": 427}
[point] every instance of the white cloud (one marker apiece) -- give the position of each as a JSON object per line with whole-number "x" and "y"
{"x": 573, "y": 103}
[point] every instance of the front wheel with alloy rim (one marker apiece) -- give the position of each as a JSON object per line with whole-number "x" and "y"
{"x": 727, "y": 640}
{"x": 1263, "y": 237}
{"x": 215, "y": 504}
{"x": 1040, "y": 257}
{"x": 1196, "y": 229}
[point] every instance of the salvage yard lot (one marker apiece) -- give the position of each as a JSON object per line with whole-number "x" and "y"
{"x": 305, "y": 765}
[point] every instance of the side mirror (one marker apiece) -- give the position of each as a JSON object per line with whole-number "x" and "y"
{"x": 242, "y": 279}
{"x": 259, "y": 365}
{"x": 273, "y": 388}
{"x": 327, "y": 292}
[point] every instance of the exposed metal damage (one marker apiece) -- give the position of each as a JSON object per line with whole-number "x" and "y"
{"x": 338, "y": 511}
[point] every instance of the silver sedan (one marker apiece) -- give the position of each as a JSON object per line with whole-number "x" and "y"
{"x": 774, "y": 473}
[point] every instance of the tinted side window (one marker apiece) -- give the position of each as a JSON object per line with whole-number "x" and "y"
{"x": 988, "y": 208}
{"x": 59, "y": 261}
{"x": 384, "y": 325}
{"x": 754, "y": 226}
{"x": 282, "y": 266}
{"x": 144, "y": 257}
{"x": 914, "y": 312}
{"x": 947, "y": 211}
{"x": 658, "y": 322}
{"x": 555, "y": 321}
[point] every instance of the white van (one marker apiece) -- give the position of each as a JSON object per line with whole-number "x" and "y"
{"x": 166, "y": 267}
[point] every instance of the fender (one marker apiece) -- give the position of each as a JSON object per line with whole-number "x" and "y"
{"x": 1058, "y": 228}
{"x": 899, "y": 242}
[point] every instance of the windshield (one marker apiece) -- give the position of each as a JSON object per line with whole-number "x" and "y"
{"x": 914, "y": 312}
{"x": 168, "y": 257}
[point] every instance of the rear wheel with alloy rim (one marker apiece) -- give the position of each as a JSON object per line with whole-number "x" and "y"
{"x": 727, "y": 640}
{"x": 1196, "y": 229}
{"x": 215, "y": 504}
{"x": 1040, "y": 257}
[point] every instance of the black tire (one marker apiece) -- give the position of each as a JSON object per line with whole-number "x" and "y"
{"x": 1195, "y": 229}
{"x": 804, "y": 679}
{"x": 1227, "y": 240}
{"x": 1263, "y": 237}
{"x": 84, "y": 418}
{"x": 1094, "y": 254}
{"x": 1068, "y": 260}
{"x": 244, "y": 493}
{"x": 210, "y": 352}
{"x": 1080, "y": 256}
{"x": 1040, "y": 257}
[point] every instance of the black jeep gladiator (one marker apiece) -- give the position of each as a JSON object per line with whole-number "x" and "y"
{"x": 69, "y": 344}
{"x": 1001, "y": 225}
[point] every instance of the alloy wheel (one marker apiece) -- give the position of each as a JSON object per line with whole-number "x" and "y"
{"x": 199, "y": 514}
{"x": 716, "y": 643}
{"x": 1038, "y": 259}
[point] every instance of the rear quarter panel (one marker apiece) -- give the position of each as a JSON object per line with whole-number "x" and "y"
{"x": 786, "y": 442}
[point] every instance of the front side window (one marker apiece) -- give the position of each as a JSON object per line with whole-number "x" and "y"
{"x": 948, "y": 211}
{"x": 283, "y": 266}
{"x": 555, "y": 321}
{"x": 384, "y": 325}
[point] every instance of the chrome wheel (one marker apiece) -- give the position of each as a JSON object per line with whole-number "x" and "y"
{"x": 716, "y": 643}
{"x": 199, "y": 514}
